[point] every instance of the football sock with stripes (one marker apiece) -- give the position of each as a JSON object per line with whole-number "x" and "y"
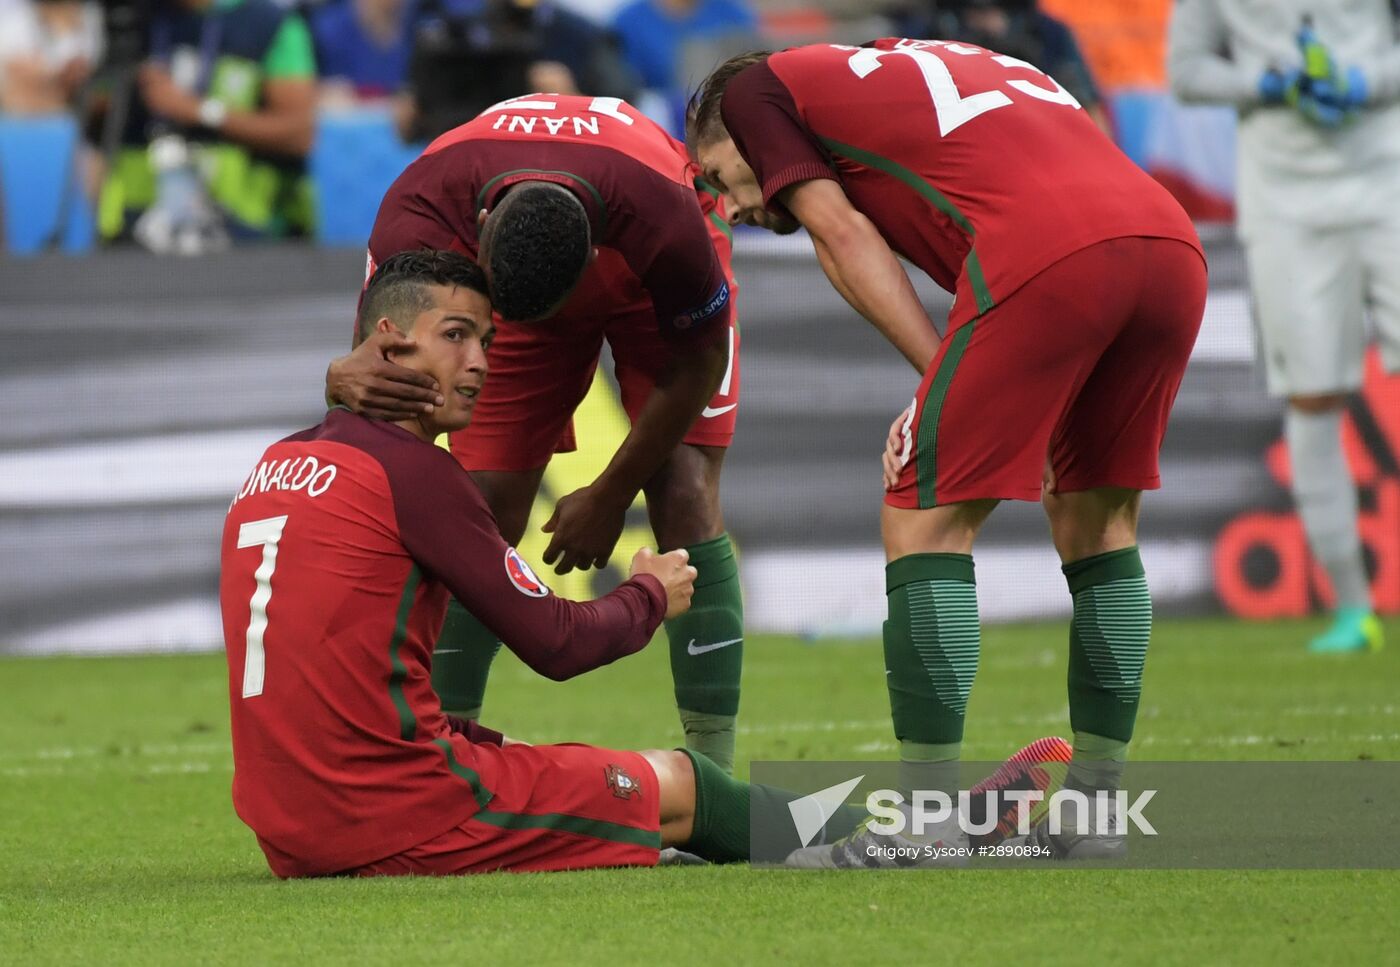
{"x": 462, "y": 662}
{"x": 932, "y": 644}
{"x": 707, "y": 652}
{"x": 1108, "y": 640}
{"x": 737, "y": 820}
{"x": 1326, "y": 499}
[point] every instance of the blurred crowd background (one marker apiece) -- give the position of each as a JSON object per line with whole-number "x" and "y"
{"x": 187, "y": 126}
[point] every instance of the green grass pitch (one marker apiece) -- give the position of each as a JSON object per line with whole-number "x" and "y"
{"x": 118, "y": 843}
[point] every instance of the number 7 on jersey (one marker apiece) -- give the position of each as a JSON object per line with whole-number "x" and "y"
{"x": 265, "y": 533}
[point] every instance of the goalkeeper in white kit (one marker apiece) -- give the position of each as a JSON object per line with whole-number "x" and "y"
{"x": 1317, "y": 85}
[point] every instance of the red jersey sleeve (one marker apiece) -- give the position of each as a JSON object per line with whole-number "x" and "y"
{"x": 447, "y": 528}
{"x": 761, "y": 116}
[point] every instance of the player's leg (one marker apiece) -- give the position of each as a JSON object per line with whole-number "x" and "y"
{"x": 977, "y": 433}
{"x": 1104, "y": 453}
{"x": 706, "y": 811}
{"x": 1308, "y": 286}
{"x": 1095, "y": 534}
{"x": 537, "y": 379}
{"x": 932, "y": 636}
{"x": 706, "y": 642}
{"x": 683, "y": 504}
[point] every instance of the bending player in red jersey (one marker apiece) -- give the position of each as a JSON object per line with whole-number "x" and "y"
{"x": 591, "y": 226}
{"x": 1079, "y": 288}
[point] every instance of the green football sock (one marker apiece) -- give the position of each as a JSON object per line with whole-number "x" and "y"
{"x": 1107, "y": 649}
{"x": 1097, "y": 763}
{"x": 707, "y": 652}
{"x": 932, "y": 644}
{"x": 462, "y": 661}
{"x": 739, "y": 820}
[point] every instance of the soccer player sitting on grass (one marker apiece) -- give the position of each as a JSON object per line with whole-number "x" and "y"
{"x": 339, "y": 555}
{"x": 1079, "y": 288}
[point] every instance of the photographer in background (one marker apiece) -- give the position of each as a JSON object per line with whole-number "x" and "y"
{"x": 470, "y": 54}
{"x": 1015, "y": 28}
{"x": 214, "y": 145}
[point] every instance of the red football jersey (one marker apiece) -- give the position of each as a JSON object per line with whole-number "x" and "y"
{"x": 976, "y": 167}
{"x": 651, "y": 219}
{"x": 339, "y": 553}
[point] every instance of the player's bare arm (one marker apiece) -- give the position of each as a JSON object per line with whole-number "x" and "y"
{"x": 586, "y": 524}
{"x": 862, "y": 267}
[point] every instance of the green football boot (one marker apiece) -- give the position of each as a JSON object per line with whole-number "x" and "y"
{"x": 1354, "y": 629}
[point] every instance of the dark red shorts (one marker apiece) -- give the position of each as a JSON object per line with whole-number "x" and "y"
{"x": 1081, "y": 364}
{"x": 540, "y": 373}
{"x": 555, "y": 807}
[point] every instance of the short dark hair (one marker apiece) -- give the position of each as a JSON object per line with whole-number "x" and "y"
{"x": 398, "y": 289}
{"x": 535, "y": 247}
{"x": 703, "y": 123}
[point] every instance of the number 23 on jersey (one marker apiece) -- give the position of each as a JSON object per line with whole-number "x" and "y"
{"x": 953, "y": 108}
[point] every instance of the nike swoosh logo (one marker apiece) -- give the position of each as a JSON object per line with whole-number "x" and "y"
{"x": 712, "y": 411}
{"x": 694, "y": 649}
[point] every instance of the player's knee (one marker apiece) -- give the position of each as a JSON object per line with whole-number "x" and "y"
{"x": 935, "y": 530}
{"x": 1321, "y": 403}
{"x": 1093, "y": 521}
{"x": 683, "y": 497}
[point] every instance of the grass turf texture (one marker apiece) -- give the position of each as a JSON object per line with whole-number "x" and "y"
{"x": 118, "y": 843}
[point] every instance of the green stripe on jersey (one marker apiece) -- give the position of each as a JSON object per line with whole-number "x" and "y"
{"x": 927, "y": 450}
{"x": 480, "y": 793}
{"x": 597, "y": 828}
{"x": 972, "y": 264}
{"x": 398, "y": 672}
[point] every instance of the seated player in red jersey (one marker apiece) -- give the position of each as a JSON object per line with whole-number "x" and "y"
{"x": 1079, "y": 286}
{"x": 592, "y": 227}
{"x": 339, "y": 553}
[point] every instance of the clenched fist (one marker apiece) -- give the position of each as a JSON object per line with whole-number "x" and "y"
{"x": 674, "y": 572}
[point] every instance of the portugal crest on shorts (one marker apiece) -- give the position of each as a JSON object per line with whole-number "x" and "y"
{"x": 522, "y": 577}
{"x": 622, "y": 783}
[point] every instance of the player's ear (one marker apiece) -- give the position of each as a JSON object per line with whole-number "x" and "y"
{"x": 385, "y": 326}
{"x": 481, "y": 218}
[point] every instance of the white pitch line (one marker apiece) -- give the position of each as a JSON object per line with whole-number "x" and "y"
{"x": 145, "y": 749}
{"x": 128, "y": 767}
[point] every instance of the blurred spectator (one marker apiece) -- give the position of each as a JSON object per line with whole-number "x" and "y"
{"x": 47, "y": 52}
{"x": 469, "y": 54}
{"x": 225, "y": 102}
{"x": 1318, "y": 91}
{"x": 362, "y": 49}
{"x": 654, "y": 34}
{"x": 1016, "y": 28}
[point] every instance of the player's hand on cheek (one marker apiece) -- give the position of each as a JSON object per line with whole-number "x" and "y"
{"x": 586, "y": 525}
{"x": 675, "y": 573}
{"x": 371, "y": 385}
{"x": 894, "y": 447}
